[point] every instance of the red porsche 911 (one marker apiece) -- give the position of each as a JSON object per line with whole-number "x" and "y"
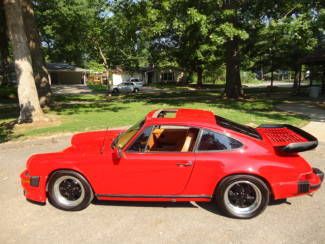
{"x": 177, "y": 155}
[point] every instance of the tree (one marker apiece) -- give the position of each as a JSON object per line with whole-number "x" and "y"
{"x": 4, "y": 46}
{"x": 30, "y": 109}
{"x": 41, "y": 75}
{"x": 185, "y": 33}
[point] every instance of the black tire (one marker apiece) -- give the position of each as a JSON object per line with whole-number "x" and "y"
{"x": 234, "y": 196}
{"x": 136, "y": 90}
{"x": 76, "y": 196}
{"x": 115, "y": 91}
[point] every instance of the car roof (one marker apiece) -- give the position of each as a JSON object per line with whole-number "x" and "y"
{"x": 181, "y": 116}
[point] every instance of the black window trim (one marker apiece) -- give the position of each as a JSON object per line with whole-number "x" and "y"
{"x": 135, "y": 137}
{"x": 250, "y": 131}
{"x": 196, "y": 146}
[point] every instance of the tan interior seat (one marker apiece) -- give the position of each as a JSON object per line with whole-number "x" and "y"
{"x": 189, "y": 140}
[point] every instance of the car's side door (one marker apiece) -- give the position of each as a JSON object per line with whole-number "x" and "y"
{"x": 215, "y": 153}
{"x": 152, "y": 173}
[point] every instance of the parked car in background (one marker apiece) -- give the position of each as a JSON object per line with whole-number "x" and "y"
{"x": 137, "y": 82}
{"x": 125, "y": 87}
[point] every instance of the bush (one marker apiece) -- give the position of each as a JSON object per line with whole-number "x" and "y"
{"x": 248, "y": 77}
{"x": 8, "y": 92}
{"x": 97, "y": 87}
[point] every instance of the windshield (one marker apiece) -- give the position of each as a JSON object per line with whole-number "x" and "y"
{"x": 124, "y": 137}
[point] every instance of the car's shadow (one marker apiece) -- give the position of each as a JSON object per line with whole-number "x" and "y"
{"x": 212, "y": 207}
{"x": 209, "y": 206}
{"x": 144, "y": 204}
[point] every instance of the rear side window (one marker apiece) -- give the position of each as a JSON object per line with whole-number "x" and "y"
{"x": 212, "y": 141}
{"x": 247, "y": 130}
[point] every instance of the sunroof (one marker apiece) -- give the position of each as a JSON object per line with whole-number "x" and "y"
{"x": 170, "y": 113}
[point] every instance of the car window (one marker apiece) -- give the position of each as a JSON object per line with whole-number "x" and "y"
{"x": 123, "y": 138}
{"x": 228, "y": 124}
{"x": 140, "y": 143}
{"x": 212, "y": 141}
{"x": 169, "y": 138}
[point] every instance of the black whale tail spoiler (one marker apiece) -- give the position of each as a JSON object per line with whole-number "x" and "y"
{"x": 287, "y": 138}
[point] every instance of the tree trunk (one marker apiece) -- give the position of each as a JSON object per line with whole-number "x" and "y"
{"x": 41, "y": 75}
{"x": 4, "y": 46}
{"x": 30, "y": 109}
{"x": 106, "y": 65}
{"x": 296, "y": 77}
{"x": 233, "y": 82}
{"x": 199, "y": 72}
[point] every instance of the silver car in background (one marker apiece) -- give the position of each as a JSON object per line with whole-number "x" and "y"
{"x": 137, "y": 82}
{"x": 125, "y": 87}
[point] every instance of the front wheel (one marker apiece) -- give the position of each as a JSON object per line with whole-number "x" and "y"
{"x": 68, "y": 190}
{"x": 242, "y": 196}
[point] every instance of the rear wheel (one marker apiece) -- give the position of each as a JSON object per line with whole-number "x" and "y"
{"x": 136, "y": 90}
{"x": 242, "y": 196}
{"x": 68, "y": 190}
{"x": 115, "y": 91}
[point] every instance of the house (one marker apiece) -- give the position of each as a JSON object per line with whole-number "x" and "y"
{"x": 119, "y": 75}
{"x": 62, "y": 73}
{"x": 148, "y": 75}
{"x": 171, "y": 75}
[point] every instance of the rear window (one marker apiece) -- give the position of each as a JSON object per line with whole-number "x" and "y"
{"x": 244, "y": 129}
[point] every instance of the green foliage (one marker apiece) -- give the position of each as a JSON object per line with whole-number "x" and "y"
{"x": 94, "y": 66}
{"x": 97, "y": 87}
{"x": 248, "y": 77}
{"x": 189, "y": 34}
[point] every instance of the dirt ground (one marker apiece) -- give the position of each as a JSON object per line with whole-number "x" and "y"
{"x": 300, "y": 220}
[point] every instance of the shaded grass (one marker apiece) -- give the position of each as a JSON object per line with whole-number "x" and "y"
{"x": 96, "y": 111}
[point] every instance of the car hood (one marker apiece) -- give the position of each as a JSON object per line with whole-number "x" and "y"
{"x": 93, "y": 141}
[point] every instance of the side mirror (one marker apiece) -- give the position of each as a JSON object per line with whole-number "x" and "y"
{"x": 117, "y": 154}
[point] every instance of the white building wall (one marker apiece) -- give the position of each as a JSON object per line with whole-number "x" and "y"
{"x": 117, "y": 79}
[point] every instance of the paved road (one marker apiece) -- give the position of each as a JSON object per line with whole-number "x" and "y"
{"x": 301, "y": 221}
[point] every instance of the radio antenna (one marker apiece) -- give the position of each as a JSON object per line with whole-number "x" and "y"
{"x": 103, "y": 144}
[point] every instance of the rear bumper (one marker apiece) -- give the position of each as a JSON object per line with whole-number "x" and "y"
{"x": 307, "y": 186}
{"x": 296, "y": 188}
{"x": 34, "y": 187}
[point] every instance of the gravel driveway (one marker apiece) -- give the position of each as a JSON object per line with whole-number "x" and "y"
{"x": 301, "y": 220}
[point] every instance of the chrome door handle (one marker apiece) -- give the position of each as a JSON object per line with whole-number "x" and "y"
{"x": 188, "y": 163}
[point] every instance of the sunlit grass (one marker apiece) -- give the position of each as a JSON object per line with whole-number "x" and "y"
{"x": 91, "y": 112}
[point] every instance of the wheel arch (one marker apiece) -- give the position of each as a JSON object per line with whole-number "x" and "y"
{"x": 269, "y": 186}
{"x": 67, "y": 169}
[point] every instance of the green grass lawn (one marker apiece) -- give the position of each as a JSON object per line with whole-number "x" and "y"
{"x": 90, "y": 112}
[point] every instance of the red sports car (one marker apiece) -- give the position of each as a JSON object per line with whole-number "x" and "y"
{"x": 177, "y": 155}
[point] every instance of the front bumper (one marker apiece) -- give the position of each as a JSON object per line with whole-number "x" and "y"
{"x": 34, "y": 187}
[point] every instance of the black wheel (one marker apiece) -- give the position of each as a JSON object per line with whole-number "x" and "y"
{"x": 68, "y": 190}
{"x": 115, "y": 91}
{"x": 242, "y": 196}
{"x": 136, "y": 90}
